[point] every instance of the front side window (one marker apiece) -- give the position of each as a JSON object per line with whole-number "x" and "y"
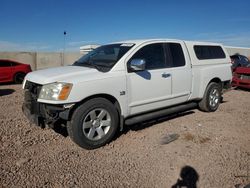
{"x": 104, "y": 57}
{"x": 153, "y": 54}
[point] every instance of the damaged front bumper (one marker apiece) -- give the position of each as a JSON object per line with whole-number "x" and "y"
{"x": 45, "y": 114}
{"x": 42, "y": 114}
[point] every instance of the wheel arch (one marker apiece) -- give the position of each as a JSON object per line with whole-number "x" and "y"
{"x": 17, "y": 72}
{"x": 215, "y": 79}
{"x": 108, "y": 97}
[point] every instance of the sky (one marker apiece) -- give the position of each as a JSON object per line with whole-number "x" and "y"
{"x": 39, "y": 25}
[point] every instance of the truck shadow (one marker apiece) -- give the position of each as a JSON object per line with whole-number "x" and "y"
{"x": 189, "y": 178}
{"x": 146, "y": 124}
{"x": 60, "y": 128}
{"x": 144, "y": 74}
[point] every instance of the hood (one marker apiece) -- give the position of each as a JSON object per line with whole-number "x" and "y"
{"x": 61, "y": 74}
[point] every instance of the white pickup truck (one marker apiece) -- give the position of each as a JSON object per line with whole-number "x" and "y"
{"x": 126, "y": 83}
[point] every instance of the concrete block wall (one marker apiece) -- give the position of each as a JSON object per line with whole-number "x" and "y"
{"x": 234, "y": 50}
{"x": 42, "y": 60}
{"x": 47, "y": 60}
{"x": 70, "y": 58}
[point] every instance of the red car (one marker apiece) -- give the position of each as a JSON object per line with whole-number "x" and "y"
{"x": 12, "y": 71}
{"x": 241, "y": 77}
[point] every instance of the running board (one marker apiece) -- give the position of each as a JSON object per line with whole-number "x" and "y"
{"x": 160, "y": 113}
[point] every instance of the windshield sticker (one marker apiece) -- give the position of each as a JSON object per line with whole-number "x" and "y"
{"x": 127, "y": 45}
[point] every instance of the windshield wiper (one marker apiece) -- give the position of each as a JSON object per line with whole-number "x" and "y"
{"x": 107, "y": 65}
{"x": 94, "y": 65}
{"x": 90, "y": 64}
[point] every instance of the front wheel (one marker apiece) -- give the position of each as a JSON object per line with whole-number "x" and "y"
{"x": 93, "y": 124}
{"x": 212, "y": 98}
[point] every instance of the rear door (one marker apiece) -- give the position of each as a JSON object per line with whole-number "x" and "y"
{"x": 5, "y": 71}
{"x": 181, "y": 72}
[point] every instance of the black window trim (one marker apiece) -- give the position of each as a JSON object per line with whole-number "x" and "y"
{"x": 167, "y": 56}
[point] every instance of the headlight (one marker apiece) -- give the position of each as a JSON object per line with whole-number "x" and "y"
{"x": 55, "y": 91}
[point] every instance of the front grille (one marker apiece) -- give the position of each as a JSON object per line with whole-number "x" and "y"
{"x": 33, "y": 88}
{"x": 31, "y": 95}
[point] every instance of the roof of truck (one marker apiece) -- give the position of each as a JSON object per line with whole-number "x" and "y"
{"x": 140, "y": 41}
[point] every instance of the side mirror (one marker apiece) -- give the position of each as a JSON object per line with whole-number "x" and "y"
{"x": 137, "y": 64}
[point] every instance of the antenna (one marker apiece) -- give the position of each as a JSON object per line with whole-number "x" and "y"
{"x": 64, "y": 44}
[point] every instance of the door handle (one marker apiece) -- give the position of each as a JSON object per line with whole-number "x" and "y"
{"x": 166, "y": 75}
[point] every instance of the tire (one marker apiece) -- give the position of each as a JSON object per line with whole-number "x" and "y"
{"x": 18, "y": 78}
{"x": 94, "y": 123}
{"x": 212, "y": 98}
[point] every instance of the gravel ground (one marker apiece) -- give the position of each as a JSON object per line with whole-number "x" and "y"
{"x": 212, "y": 150}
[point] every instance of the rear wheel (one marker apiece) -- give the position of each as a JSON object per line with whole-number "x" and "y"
{"x": 94, "y": 123}
{"x": 18, "y": 78}
{"x": 212, "y": 98}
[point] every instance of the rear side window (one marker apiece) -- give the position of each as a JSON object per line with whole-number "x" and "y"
{"x": 14, "y": 64}
{"x": 5, "y": 64}
{"x": 174, "y": 54}
{"x": 209, "y": 52}
{"x": 153, "y": 55}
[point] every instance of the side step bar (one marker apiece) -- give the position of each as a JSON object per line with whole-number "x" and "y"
{"x": 160, "y": 113}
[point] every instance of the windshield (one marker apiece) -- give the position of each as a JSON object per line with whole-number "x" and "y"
{"x": 104, "y": 57}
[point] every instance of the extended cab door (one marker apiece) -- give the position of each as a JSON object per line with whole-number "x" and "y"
{"x": 181, "y": 73}
{"x": 149, "y": 89}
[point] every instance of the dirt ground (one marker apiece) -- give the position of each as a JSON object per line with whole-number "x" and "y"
{"x": 213, "y": 150}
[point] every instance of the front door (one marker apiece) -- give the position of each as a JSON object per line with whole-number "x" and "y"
{"x": 149, "y": 89}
